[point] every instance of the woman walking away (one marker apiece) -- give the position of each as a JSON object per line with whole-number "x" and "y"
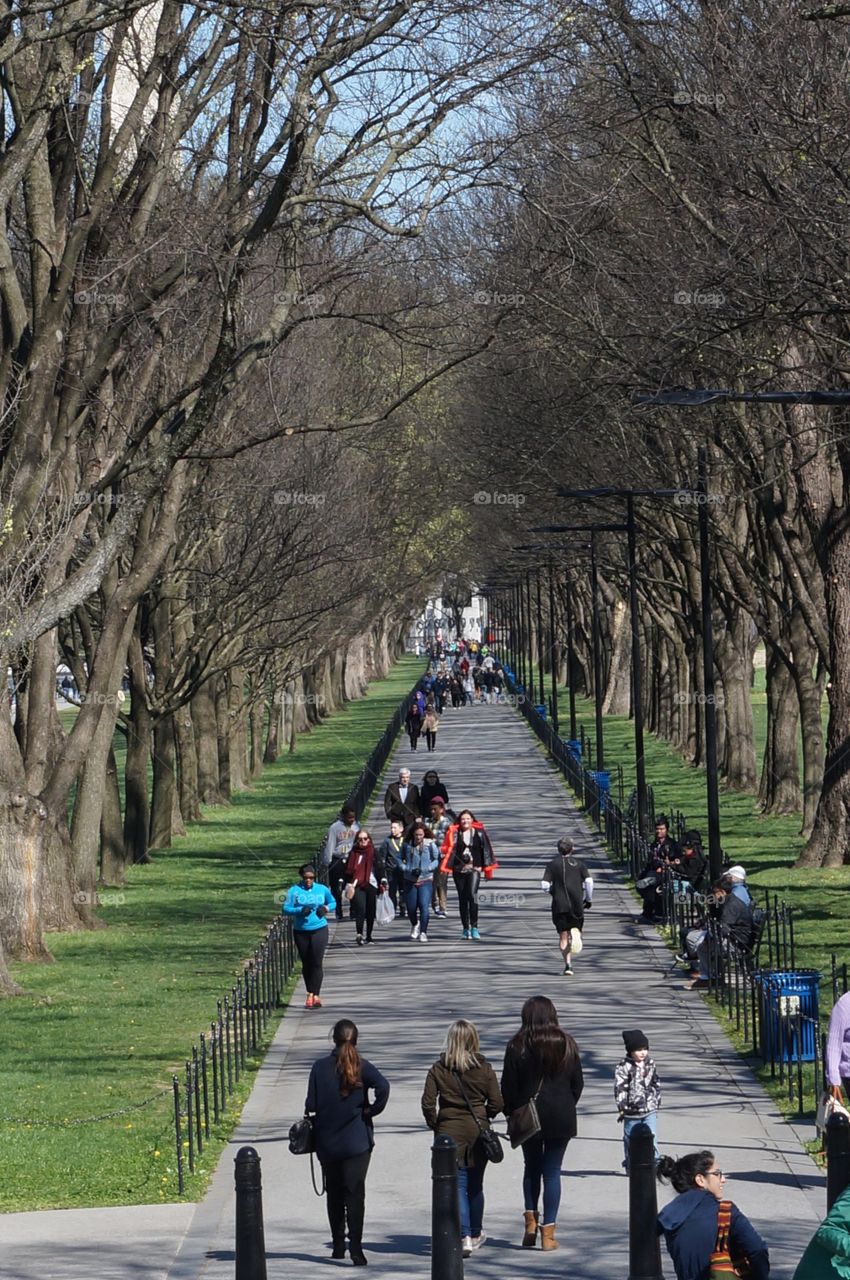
{"x": 466, "y": 852}
{"x": 692, "y": 1223}
{"x": 360, "y": 871}
{"x": 419, "y": 860}
{"x": 308, "y": 904}
{"x": 338, "y": 1100}
{"x": 461, "y": 1096}
{"x": 542, "y": 1063}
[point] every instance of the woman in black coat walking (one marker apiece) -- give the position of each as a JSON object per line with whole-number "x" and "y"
{"x": 338, "y": 1100}
{"x": 542, "y": 1062}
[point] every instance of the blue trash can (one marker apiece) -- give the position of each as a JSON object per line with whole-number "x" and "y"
{"x": 602, "y": 778}
{"x": 783, "y": 994}
{"x": 540, "y": 709}
{"x": 574, "y": 747}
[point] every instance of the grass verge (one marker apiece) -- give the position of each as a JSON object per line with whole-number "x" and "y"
{"x": 105, "y": 1027}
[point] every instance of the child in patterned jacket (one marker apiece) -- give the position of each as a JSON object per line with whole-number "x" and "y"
{"x": 637, "y": 1091}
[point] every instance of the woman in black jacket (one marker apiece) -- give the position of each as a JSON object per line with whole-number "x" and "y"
{"x": 542, "y": 1062}
{"x": 338, "y": 1100}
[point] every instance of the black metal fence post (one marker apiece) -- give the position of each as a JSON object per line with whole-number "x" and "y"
{"x": 644, "y": 1247}
{"x": 837, "y": 1143}
{"x": 250, "y": 1237}
{"x": 446, "y": 1247}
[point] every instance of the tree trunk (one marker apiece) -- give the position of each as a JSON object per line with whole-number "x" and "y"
{"x": 222, "y": 726}
{"x": 237, "y": 728}
{"x": 779, "y": 790}
{"x": 37, "y": 886}
{"x": 206, "y": 746}
{"x": 111, "y": 828}
{"x": 136, "y": 799}
{"x": 274, "y": 730}
{"x": 164, "y": 783}
{"x": 617, "y": 700}
{"x": 258, "y": 718}
{"x": 187, "y": 760}
{"x": 734, "y": 655}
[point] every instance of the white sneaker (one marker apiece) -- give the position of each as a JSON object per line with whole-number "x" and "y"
{"x": 477, "y": 1241}
{"x": 466, "y": 1245}
{"x": 423, "y": 937}
{"x": 414, "y": 932}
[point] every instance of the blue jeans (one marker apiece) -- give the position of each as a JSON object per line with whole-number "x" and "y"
{"x": 470, "y": 1190}
{"x": 543, "y": 1161}
{"x": 651, "y": 1122}
{"x": 419, "y": 899}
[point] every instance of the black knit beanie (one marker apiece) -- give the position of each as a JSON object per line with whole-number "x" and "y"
{"x": 634, "y": 1040}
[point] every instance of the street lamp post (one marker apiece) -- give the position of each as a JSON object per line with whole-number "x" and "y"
{"x": 553, "y": 650}
{"x": 540, "y": 638}
{"x": 597, "y": 653}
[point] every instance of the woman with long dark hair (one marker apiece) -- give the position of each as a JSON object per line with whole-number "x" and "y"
{"x": 542, "y": 1063}
{"x": 360, "y": 872}
{"x": 691, "y": 1223}
{"x": 460, "y": 1098}
{"x": 338, "y": 1101}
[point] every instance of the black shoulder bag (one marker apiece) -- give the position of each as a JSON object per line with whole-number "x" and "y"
{"x": 524, "y": 1121}
{"x": 302, "y": 1142}
{"x": 490, "y": 1142}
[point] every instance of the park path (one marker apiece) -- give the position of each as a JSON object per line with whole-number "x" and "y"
{"x": 403, "y": 995}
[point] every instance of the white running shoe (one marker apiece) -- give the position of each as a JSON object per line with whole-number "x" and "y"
{"x": 423, "y": 937}
{"x": 466, "y": 1245}
{"x": 477, "y": 1241}
{"x": 414, "y": 932}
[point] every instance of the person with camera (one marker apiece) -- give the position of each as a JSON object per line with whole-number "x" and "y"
{"x": 649, "y": 884}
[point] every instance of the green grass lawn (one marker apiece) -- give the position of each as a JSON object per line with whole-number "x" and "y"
{"x": 108, "y": 1023}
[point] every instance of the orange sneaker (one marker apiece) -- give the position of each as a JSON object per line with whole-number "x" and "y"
{"x": 308, "y": 1003}
{"x": 317, "y": 1004}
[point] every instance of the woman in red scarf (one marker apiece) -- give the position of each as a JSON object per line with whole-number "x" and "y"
{"x": 360, "y": 872}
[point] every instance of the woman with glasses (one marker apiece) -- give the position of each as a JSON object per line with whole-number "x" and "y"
{"x": 308, "y": 903}
{"x": 690, "y": 1223}
{"x": 360, "y": 873}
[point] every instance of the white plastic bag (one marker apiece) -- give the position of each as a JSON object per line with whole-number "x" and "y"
{"x": 384, "y": 912}
{"x": 828, "y": 1106}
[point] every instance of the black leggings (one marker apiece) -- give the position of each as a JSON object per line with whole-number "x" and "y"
{"x": 467, "y": 884}
{"x": 346, "y": 1183}
{"x": 363, "y": 907}
{"x": 431, "y": 739}
{"x": 311, "y": 944}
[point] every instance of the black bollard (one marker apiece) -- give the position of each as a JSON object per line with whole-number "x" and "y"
{"x": 837, "y": 1143}
{"x": 250, "y": 1238}
{"x": 644, "y": 1248}
{"x": 446, "y": 1247}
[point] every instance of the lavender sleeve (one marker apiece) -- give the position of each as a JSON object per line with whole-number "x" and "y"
{"x": 838, "y": 1041}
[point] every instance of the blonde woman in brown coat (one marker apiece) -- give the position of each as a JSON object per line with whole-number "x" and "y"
{"x": 461, "y": 1079}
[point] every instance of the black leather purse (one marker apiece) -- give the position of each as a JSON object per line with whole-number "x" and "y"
{"x": 490, "y": 1140}
{"x": 301, "y": 1138}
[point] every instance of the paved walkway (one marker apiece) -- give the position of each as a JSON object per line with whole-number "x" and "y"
{"x": 403, "y": 995}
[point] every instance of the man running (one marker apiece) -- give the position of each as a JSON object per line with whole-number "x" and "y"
{"x": 570, "y": 884}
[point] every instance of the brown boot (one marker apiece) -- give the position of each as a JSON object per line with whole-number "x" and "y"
{"x": 547, "y": 1236}
{"x": 529, "y": 1240}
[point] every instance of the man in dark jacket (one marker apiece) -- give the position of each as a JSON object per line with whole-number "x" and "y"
{"x": 401, "y": 801}
{"x": 662, "y": 854}
{"x": 570, "y": 885}
{"x": 736, "y": 926}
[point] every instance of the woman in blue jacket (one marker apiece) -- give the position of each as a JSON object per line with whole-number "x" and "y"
{"x": 308, "y": 904}
{"x": 419, "y": 859}
{"x": 338, "y": 1100}
{"x": 689, "y": 1223}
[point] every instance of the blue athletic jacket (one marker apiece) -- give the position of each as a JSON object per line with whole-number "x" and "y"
{"x": 298, "y": 897}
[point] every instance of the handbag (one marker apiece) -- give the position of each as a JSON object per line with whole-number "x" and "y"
{"x": 302, "y": 1142}
{"x": 490, "y": 1142}
{"x": 827, "y": 1107}
{"x": 524, "y": 1121}
{"x": 720, "y": 1265}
